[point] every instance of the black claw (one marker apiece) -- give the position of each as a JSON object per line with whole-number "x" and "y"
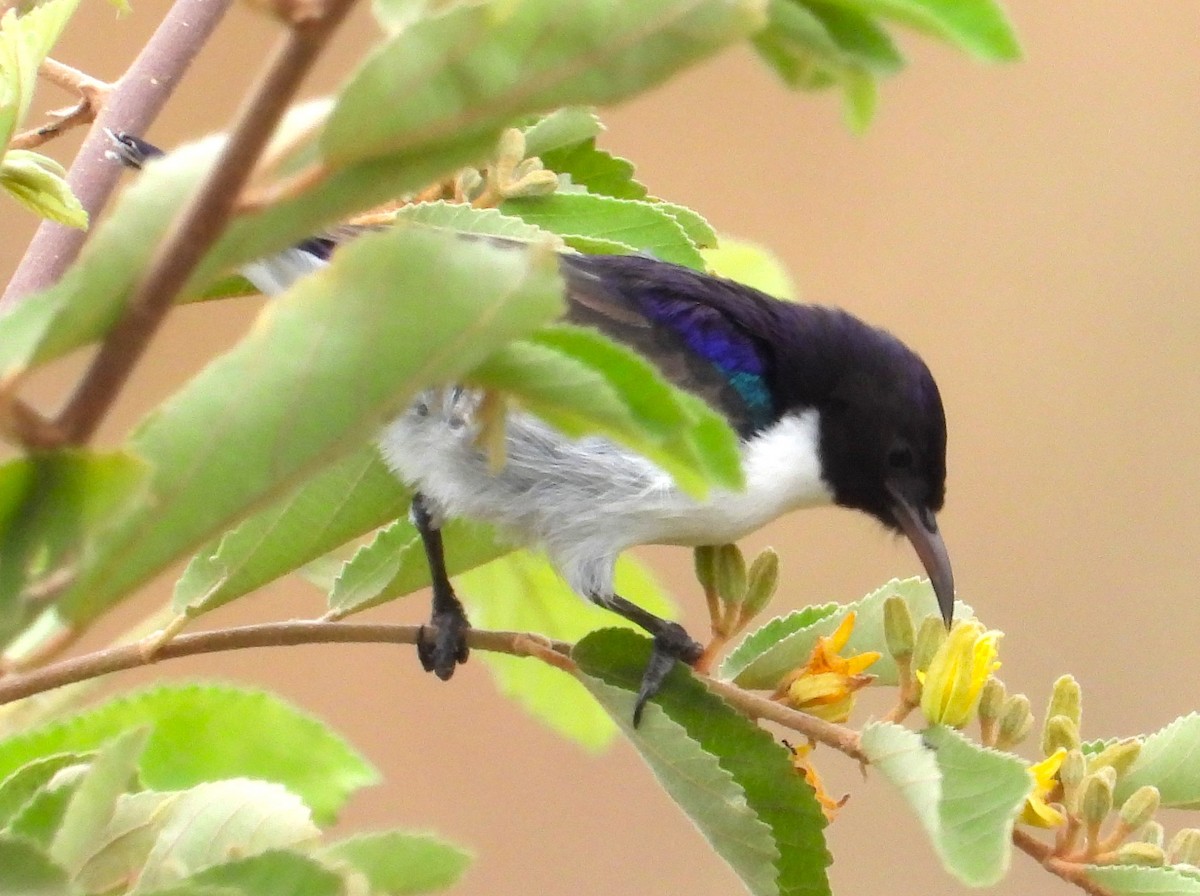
{"x": 671, "y": 644}
{"x": 443, "y": 643}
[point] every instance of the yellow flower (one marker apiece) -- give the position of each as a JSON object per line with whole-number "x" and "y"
{"x": 825, "y": 685}
{"x": 1038, "y": 811}
{"x": 951, "y": 685}
{"x": 802, "y": 764}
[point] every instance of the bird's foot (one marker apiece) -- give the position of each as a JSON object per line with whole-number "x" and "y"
{"x": 443, "y": 643}
{"x": 671, "y": 644}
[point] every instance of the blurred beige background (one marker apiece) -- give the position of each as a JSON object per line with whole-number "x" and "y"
{"x": 1031, "y": 229}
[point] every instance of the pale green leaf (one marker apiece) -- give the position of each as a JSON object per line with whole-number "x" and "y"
{"x": 1139, "y": 880}
{"x": 39, "y": 183}
{"x": 595, "y": 170}
{"x": 522, "y": 592}
{"x": 40, "y": 818}
{"x": 560, "y": 129}
{"x": 477, "y": 67}
{"x": 208, "y": 732}
{"x": 273, "y": 873}
{"x": 26, "y": 870}
{"x": 751, "y": 264}
{"x": 763, "y": 819}
{"x": 23, "y": 783}
{"x": 327, "y": 363}
{"x": 644, "y": 225}
{"x": 965, "y": 796}
{"x": 25, "y": 41}
{"x": 397, "y": 863}
{"x": 212, "y": 822}
{"x": 394, "y": 563}
{"x": 980, "y": 27}
{"x": 110, "y": 774}
{"x": 459, "y": 217}
{"x": 1169, "y": 760}
{"x": 119, "y": 852}
{"x": 346, "y": 500}
{"x": 766, "y": 655}
{"x": 698, "y": 230}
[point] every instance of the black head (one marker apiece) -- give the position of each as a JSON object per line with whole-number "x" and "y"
{"x": 882, "y": 430}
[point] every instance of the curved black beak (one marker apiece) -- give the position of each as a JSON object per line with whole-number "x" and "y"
{"x": 920, "y": 526}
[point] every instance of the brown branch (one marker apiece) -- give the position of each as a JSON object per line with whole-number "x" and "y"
{"x": 200, "y": 223}
{"x": 1068, "y": 871}
{"x": 134, "y": 103}
{"x": 93, "y": 95}
{"x": 271, "y": 634}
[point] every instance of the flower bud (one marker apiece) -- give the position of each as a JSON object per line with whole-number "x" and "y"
{"x": 930, "y": 636}
{"x": 1136, "y": 853}
{"x": 705, "y": 559}
{"x": 1071, "y": 775}
{"x": 511, "y": 148}
{"x": 898, "y": 628}
{"x": 1140, "y": 807}
{"x": 1096, "y": 802}
{"x": 731, "y": 574}
{"x": 1059, "y": 731}
{"x": 470, "y": 183}
{"x": 1016, "y": 721}
{"x": 536, "y": 183}
{"x": 1185, "y": 847}
{"x": 1150, "y": 832}
{"x": 762, "y": 581}
{"x": 991, "y": 699}
{"x": 1119, "y": 756}
{"x": 1066, "y": 700}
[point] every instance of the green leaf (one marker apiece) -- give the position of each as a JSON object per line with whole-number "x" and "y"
{"x": 965, "y": 796}
{"x": 763, "y": 818}
{"x": 522, "y": 592}
{"x": 110, "y": 774}
{"x": 474, "y": 69}
{"x": 53, "y": 507}
{"x": 208, "y": 732}
{"x": 1139, "y": 880}
{"x": 39, "y": 183}
{"x": 560, "y": 129}
{"x": 1170, "y": 760}
{"x": 698, "y": 230}
{"x": 211, "y": 822}
{"x": 768, "y": 654}
{"x": 980, "y": 27}
{"x": 643, "y": 225}
{"x": 119, "y": 851}
{"x": 27, "y": 871}
{"x": 274, "y": 873}
{"x": 751, "y": 264}
{"x": 39, "y": 819}
{"x": 25, "y": 41}
{"x": 394, "y": 564}
{"x": 595, "y": 169}
{"x": 24, "y": 783}
{"x": 348, "y": 499}
{"x": 325, "y": 365}
{"x": 397, "y": 863}
{"x": 459, "y": 217}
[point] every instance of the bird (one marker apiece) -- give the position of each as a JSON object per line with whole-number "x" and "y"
{"x": 828, "y": 410}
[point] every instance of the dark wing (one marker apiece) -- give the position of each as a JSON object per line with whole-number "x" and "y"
{"x": 668, "y": 314}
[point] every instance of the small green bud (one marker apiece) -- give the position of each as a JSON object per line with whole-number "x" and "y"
{"x": 1097, "y": 798}
{"x": 1060, "y": 731}
{"x": 930, "y": 636}
{"x": 1185, "y": 847}
{"x": 762, "y": 582}
{"x": 1150, "y": 832}
{"x": 1140, "y": 807}
{"x": 731, "y": 574}
{"x": 898, "y": 628}
{"x": 1066, "y": 700}
{"x": 705, "y": 558}
{"x": 527, "y": 167}
{"x": 991, "y": 699}
{"x": 1071, "y": 775}
{"x": 511, "y": 148}
{"x": 1136, "y": 853}
{"x": 1119, "y": 756}
{"x": 1016, "y": 721}
{"x": 470, "y": 183}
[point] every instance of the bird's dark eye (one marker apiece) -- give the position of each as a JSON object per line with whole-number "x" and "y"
{"x": 900, "y": 457}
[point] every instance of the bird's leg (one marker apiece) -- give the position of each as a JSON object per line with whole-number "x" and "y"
{"x": 446, "y": 646}
{"x": 671, "y": 643}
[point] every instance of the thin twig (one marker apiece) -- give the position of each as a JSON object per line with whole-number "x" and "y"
{"x": 199, "y": 225}
{"x": 1068, "y": 871}
{"x": 134, "y": 103}
{"x": 93, "y": 95}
